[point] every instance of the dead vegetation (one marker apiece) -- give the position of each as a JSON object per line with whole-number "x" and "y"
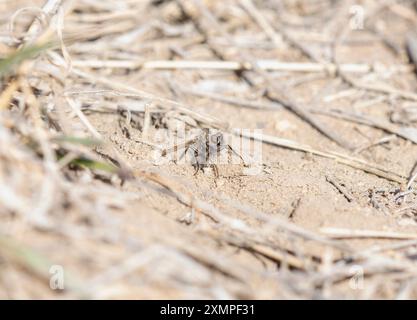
{"x": 86, "y": 186}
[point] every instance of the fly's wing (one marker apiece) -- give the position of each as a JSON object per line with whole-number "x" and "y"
{"x": 179, "y": 146}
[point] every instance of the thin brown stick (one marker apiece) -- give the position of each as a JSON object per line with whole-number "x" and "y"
{"x": 340, "y": 233}
{"x": 341, "y": 189}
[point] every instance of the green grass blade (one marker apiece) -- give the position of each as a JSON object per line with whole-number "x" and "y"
{"x": 88, "y": 142}
{"x": 15, "y": 59}
{"x": 95, "y": 165}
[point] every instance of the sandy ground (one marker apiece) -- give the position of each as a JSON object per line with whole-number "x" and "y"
{"x": 155, "y": 236}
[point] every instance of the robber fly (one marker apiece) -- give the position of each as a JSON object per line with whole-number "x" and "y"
{"x": 205, "y": 148}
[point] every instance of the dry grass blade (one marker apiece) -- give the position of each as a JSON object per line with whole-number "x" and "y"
{"x": 341, "y": 158}
{"x": 266, "y": 65}
{"x": 408, "y": 133}
{"x": 340, "y": 233}
{"x": 208, "y": 120}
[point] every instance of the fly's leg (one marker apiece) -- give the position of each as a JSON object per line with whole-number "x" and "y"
{"x": 215, "y": 170}
{"x": 197, "y": 168}
{"x": 196, "y": 164}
